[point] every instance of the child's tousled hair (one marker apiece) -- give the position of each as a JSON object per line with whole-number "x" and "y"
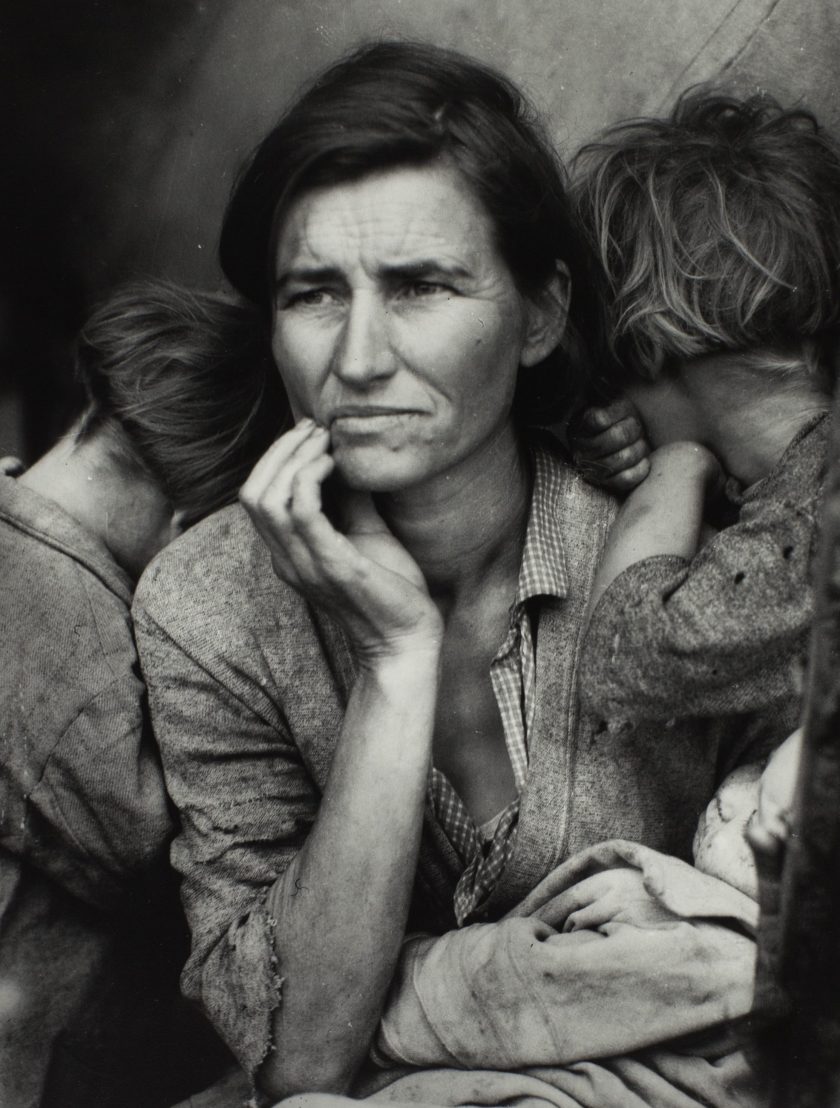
{"x": 719, "y": 230}
{"x": 184, "y": 385}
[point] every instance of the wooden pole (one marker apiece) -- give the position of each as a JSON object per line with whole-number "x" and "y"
{"x": 801, "y": 946}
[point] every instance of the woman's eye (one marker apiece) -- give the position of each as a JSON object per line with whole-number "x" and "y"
{"x": 310, "y": 298}
{"x": 426, "y": 288}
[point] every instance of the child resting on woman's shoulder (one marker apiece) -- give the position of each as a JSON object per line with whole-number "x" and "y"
{"x": 719, "y": 232}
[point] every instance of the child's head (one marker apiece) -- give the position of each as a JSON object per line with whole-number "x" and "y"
{"x": 719, "y": 231}
{"x": 183, "y": 386}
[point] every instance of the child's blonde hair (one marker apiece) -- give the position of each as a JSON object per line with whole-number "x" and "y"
{"x": 719, "y": 230}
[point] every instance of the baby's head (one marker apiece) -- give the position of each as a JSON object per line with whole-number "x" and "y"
{"x": 751, "y": 810}
{"x": 720, "y": 847}
{"x": 718, "y": 228}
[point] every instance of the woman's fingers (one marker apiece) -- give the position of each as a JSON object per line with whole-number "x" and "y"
{"x": 269, "y": 493}
{"x": 304, "y": 501}
{"x": 570, "y": 901}
{"x": 275, "y": 458}
{"x": 364, "y": 577}
{"x": 292, "y": 469}
{"x": 590, "y": 917}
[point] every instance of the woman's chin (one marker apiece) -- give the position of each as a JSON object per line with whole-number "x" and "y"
{"x": 376, "y": 470}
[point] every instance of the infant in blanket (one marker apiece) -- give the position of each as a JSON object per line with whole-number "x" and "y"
{"x": 753, "y": 805}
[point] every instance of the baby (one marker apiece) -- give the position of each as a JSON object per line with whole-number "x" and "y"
{"x": 751, "y": 809}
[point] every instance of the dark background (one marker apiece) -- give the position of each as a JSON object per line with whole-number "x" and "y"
{"x": 124, "y": 121}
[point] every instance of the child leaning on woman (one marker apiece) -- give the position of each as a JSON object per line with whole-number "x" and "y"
{"x": 719, "y": 232}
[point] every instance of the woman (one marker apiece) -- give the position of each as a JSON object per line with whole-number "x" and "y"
{"x": 178, "y": 406}
{"x": 364, "y": 688}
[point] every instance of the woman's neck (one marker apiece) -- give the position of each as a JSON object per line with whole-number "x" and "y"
{"x": 465, "y": 529}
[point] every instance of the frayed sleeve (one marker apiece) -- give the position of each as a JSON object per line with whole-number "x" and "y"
{"x": 246, "y": 803}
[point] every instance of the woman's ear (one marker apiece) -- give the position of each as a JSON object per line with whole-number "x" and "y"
{"x": 548, "y": 310}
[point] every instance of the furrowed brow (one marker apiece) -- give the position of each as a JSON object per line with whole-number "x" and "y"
{"x": 424, "y": 269}
{"x": 307, "y": 276}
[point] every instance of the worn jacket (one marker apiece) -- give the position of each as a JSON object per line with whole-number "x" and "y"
{"x": 85, "y": 959}
{"x": 248, "y": 686}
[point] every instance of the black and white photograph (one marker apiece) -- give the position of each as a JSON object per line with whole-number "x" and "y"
{"x": 420, "y": 554}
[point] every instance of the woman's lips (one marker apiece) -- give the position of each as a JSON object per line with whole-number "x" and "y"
{"x": 369, "y": 420}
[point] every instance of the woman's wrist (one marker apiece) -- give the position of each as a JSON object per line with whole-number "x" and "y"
{"x": 409, "y": 662}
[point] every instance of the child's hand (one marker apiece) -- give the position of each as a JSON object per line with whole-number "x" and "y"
{"x": 771, "y": 827}
{"x": 609, "y": 446}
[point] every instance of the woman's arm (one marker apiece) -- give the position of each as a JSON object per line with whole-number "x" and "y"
{"x": 632, "y": 968}
{"x": 342, "y": 904}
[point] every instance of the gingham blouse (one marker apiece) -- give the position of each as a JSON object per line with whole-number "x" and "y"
{"x": 512, "y": 673}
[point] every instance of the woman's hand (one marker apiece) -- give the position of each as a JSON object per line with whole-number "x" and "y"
{"x": 611, "y": 896}
{"x": 363, "y": 577}
{"x": 609, "y": 446}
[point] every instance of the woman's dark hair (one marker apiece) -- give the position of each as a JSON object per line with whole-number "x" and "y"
{"x": 399, "y": 103}
{"x": 184, "y": 385}
{"x": 718, "y": 228}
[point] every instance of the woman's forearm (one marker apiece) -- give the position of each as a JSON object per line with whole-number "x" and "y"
{"x": 341, "y": 907}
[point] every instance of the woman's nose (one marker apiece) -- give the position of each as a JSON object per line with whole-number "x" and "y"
{"x": 363, "y": 354}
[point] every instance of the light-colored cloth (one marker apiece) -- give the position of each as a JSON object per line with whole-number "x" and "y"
{"x": 248, "y": 686}
{"x": 88, "y": 969}
{"x": 726, "y": 632}
{"x": 524, "y": 1012}
{"x": 524, "y": 992}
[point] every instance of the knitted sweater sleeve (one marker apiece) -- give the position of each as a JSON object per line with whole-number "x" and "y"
{"x": 724, "y": 633}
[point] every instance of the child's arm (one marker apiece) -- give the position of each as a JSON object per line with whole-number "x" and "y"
{"x": 663, "y": 515}
{"x": 721, "y": 633}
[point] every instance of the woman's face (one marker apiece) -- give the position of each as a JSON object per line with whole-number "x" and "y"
{"x": 398, "y": 326}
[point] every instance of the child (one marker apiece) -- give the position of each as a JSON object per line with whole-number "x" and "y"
{"x": 180, "y": 400}
{"x": 719, "y": 232}
{"x": 752, "y": 805}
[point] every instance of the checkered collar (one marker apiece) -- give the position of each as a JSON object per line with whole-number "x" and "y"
{"x": 543, "y": 569}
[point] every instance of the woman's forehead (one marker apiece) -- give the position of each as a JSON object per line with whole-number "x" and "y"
{"x": 387, "y": 217}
